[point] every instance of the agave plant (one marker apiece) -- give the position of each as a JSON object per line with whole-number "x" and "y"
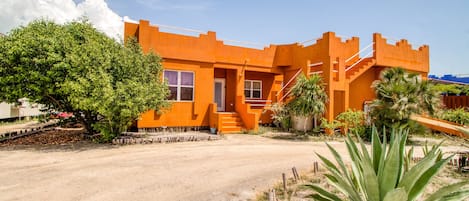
{"x": 385, "y": 174}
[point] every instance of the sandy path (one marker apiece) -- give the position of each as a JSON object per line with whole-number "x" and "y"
{"x": 231, "y": 169}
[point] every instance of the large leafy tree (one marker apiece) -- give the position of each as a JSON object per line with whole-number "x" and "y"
{"x": 399, "y": 95}
{"x": 75, "y": 68}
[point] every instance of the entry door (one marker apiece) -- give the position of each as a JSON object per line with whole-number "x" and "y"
{"x": 219, "y": 94}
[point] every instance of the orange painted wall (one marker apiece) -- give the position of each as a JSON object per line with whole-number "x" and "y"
{"x": 204, "y": 48}
{"x": 361, "y": 91}
{"x": 401, "y": 54}
{"x": 210, "y": 58}
{"x": 267, "y": 82}
{"x": 339, "y": 106}
{"x": 193, "y": 113}
{"x": 269, "y": 89}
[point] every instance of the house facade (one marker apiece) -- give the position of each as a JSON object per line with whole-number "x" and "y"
{"x": 231, "y": 88}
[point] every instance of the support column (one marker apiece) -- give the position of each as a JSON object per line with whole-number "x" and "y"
{"x": 240, "y": 76}
{"x": 328, "y": 76}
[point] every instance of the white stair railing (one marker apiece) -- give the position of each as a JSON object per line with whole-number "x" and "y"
{"x": 286, "y": 94}
{"x": 359, "y": 52}
{"x": 316, "y": 72}
{"x": 288, "y": 83}
{"x": 315, "y": 64}
{"x": 361, "y": 59}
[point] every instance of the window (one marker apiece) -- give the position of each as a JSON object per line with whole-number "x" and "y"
{"x": 253, "y": 89}
{"x": 181, "y": 85}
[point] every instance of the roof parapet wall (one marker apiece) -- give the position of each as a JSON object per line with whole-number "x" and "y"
{"x": 202, "y": 48}
{"x": 401, "y": 54}
{"x": 206, "y": 48}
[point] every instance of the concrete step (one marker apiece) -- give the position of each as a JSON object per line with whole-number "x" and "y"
{"x": 229, "y": 129}
{"x": 232, "y": 123}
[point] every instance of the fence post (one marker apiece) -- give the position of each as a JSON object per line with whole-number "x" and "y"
{"x": 284, "y": 185}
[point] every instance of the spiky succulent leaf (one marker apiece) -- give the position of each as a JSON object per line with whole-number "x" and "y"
{"x": 385, "y": 175}
{"x": 447, "y": 191}
{"x": 390, "y": 172}
{"x": 412, "y": 176}
{"x": 424, "y": 180}
{"x": 396, "y": 195}
{"x": 323, "y": 194}
{"x": 376, "y": 149}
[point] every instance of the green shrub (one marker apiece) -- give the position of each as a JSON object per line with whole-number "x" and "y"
{"x": 353, "y": 121}
{"x": 386, "y": 173}
{"x": 332, "y": 126}
{"x": 459, "y": 116}
{"x": 280, "y": 115}
{"x": 450, "y": 89}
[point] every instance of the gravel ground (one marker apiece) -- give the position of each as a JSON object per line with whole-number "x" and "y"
{"x": 235, "y": 168}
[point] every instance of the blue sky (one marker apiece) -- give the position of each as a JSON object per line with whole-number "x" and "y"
{"x": 443, "y": 25}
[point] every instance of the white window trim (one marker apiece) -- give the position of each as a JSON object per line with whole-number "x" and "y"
{"x": 179, "y": 85}
{"x": 252, "y": 89}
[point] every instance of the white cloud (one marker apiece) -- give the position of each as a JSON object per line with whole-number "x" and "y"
{"x": 14, "y": 13}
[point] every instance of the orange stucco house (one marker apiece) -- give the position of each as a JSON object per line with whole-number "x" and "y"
{"x": 230, "y": 87}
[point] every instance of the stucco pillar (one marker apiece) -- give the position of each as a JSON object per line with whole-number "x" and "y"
{"x": 240, "y": 76}
{"x": 341, "y": 71}
{"x": 144, "y": 34}
{"x": 328, "y": 67}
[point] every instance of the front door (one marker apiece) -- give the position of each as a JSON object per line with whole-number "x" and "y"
{"x": 219, "y": 94}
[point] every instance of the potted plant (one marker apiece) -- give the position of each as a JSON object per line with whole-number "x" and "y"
{"x": 309, "y": 101}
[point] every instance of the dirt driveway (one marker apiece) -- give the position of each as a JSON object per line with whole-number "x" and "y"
{"x": 231, "y": 169}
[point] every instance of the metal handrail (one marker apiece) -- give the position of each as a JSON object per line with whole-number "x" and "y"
{"x": 310, "y": 40}
{"x": 316, "y": 64}
{"x": 354, "y": 64}
{"x": 203, "y": 32}
{"x": 285, "y": 95}
{"x": 316, "y": 72}
{"x": 258, "y": 100}
{"x": 359, "y": 52}
{"x": 244, "y": 43}
{"x": 394, "y": 40}
{"x": 180, "y": 28}
{"x": 285, "y": 86}
{"x": 260, "y": 105}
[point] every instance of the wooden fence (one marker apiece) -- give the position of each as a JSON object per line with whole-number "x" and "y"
{"x": 453, "y": 102}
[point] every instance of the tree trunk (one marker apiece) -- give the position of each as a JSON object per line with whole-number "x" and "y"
{"x": 87, "y": 119}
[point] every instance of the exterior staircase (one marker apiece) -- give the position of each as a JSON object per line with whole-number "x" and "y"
{"x": 230, "y": 122}
{"x": 359, "y": 68}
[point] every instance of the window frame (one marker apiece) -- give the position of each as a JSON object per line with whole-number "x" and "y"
{"x": 179, "y": 84}
{"x": 251, "y": 89}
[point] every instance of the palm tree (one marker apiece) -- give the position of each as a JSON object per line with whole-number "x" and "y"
{"x": 399, "y": 95}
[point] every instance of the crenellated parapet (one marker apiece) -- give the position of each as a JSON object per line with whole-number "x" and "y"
{"x": 202, "y": 48}
{"x": 401, "y": 54}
